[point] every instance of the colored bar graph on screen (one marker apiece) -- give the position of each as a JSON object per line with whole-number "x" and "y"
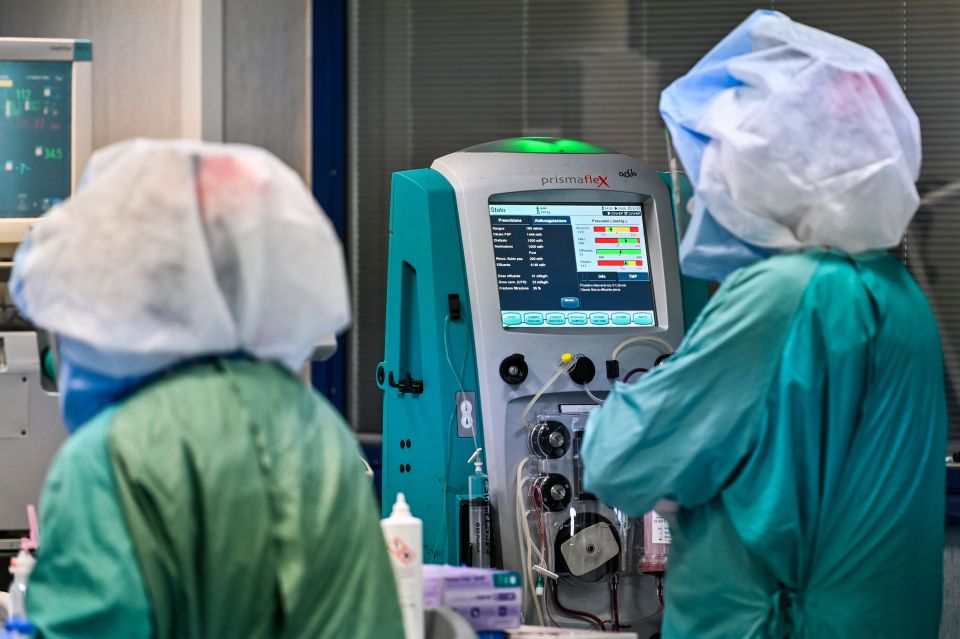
{"x": 617, "y": 240}
{"x": 616, "y": 229}
{"x": 619, "y": 262}
{"x": 620, "y": 251}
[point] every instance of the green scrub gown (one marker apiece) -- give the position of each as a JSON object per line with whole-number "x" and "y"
{"x": 226, "y": 500}
{"x": 801, "y": 427}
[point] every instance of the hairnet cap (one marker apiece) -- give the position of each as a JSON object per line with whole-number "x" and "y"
{"x": 178, "y": 249}
{"x": 795, "y": 137}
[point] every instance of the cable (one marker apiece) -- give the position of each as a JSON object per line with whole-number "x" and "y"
{"x": 453, "y": 369}
{"x": 615, "y": 602}
{"x": 446, "y": 349}
{"x": 664, "y": 346}
{"x": 596, "y": 400}
{"x": 662, "y": 359}
{"x": 446, "y": 484}
{"x": 580, "y": 614}
{"x": 564, "y": 367}
{"x": 523, "y": 535}
{"x": 635, "y": 371}
{"x": 537, "y": 495}
{"x": 679, "y": 226}
{"x": 521, "y": 513}
{"x": 653, "y": 614}
{"x": 449, "y": 434}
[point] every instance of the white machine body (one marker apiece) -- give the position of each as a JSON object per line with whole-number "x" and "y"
{"x": 490, "y": 188}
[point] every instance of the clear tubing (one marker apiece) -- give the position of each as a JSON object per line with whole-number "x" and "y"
{"x": 527, "y": 546}
{"x": 594, "y": 398}
{"x": 561, "y": 369}
{"x": 661, "y": 343}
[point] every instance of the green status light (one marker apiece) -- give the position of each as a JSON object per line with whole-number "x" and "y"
{"x": 537, "y": 145}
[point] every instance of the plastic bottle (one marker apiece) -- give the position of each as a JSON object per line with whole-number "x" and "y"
{"x": 478, "y": 518}
{"x": 17, "y": 623}
{"x": 656, "y": 543}
{"x": 403, "y": 534}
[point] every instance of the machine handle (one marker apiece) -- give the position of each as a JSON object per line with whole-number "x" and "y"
{"x": 5, "y": 264}
{"x": 406, "y": 385}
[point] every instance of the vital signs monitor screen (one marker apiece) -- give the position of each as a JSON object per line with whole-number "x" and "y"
{"x": 35, "y": 100}
{"x": 563, "y": 265}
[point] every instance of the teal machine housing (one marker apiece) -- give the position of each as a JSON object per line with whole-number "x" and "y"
{"x": 434, "y": 331}
{"x": 423, "y": 457}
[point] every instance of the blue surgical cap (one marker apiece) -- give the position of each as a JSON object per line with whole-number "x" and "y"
{"x": 793, "y": 137}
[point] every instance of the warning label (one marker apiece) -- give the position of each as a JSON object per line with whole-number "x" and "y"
{"x": 401, "y": 551}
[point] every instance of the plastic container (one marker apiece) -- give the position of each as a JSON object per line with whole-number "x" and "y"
{"x": 656, "y": 543}
{"x": 403, "y": 534}
{"x": 17, "y": 624}
{"x": 478, "y": 517}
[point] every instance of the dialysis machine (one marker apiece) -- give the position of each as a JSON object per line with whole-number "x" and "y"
{"x": 44, "y": 143}
{"x": 516, "y": 269}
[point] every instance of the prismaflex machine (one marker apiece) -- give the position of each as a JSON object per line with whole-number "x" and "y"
{"x": 516, "y": 269}
{"x": 44, "y": 143}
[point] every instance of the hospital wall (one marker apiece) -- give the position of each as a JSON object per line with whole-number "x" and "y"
{"x": 137, "y": 83}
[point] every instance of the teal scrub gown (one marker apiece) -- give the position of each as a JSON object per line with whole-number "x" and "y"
{"x": 224, "y": 500}
{"x": 801, "y": 428}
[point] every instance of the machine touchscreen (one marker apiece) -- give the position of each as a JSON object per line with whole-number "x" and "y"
{"x": 571, "y": 265}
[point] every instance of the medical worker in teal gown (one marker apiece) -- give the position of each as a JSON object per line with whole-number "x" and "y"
{"x": 800, "y": 428}
{"x": 206, "y": 491}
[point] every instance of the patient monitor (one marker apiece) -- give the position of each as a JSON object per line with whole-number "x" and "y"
{"x": 503, "y": 258}
{"x": 44, "y": 144}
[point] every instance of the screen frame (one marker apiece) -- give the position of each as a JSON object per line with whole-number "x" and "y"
{"x": 14, "y": 229}
{"x": 581, "y": 196}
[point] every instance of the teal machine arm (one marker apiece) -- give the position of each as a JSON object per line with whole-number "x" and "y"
{"x": 430, "y": 357}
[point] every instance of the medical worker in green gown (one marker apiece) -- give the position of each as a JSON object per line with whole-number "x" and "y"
{"x": 206, "y": 491}
{"x": 800, "y": 427}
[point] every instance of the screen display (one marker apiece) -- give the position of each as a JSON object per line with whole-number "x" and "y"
{"x": 563, "y": 265}
{"x": 35, "y": 101}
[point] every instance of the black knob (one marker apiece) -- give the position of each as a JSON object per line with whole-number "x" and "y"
{"x": 513, "y": 369}
{"x": 583, "y": 371}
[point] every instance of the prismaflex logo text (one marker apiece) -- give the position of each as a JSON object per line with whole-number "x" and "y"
{"x": 599, "y": 180}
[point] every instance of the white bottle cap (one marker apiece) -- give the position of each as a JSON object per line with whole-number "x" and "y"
{"x": 22, "y": 564}
{"x": 400, "y": 507}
